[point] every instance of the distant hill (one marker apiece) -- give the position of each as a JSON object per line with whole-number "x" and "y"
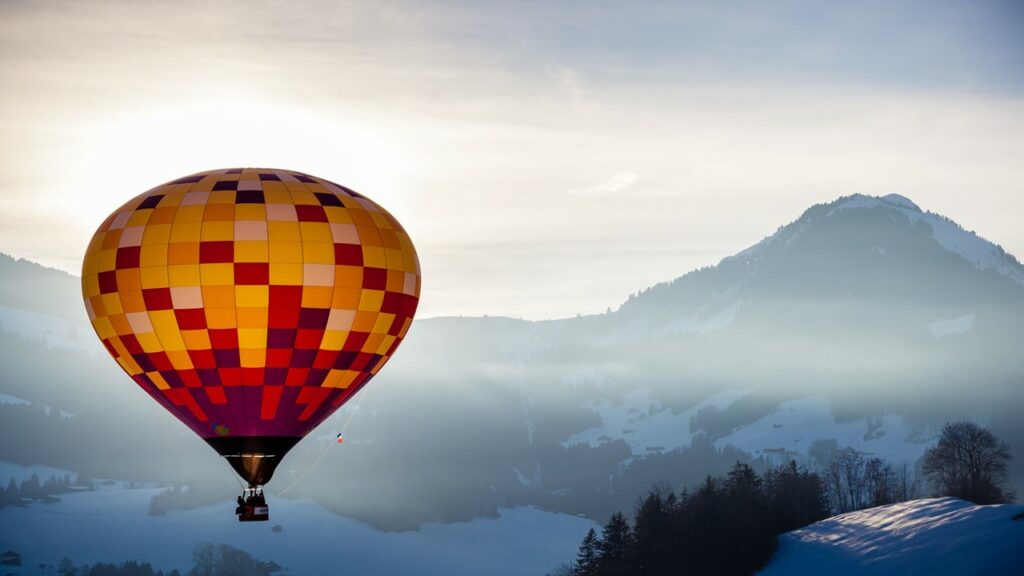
{"x": 30, "y": 286}
{"x": 938, "y": 536}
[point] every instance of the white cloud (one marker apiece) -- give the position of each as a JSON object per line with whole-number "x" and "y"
{"x": 568, "y": 82}
{"x": 617, "y": 183}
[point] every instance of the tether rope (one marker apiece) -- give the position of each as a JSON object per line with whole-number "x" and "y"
{"x": 330, "y": 445}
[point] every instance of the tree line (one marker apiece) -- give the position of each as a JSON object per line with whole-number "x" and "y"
{"x": 208, "y": 560}
{"x": 729, "y": 525}
{"x": 33, "y": 489}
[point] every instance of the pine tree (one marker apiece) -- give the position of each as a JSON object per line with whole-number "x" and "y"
{"x": 651, "y": 533}
{"x": 748, "y": 539}
{"x": 66, "y": 567}
{"x": 795, "y": 496}
{"x": 615, "y": 549}
{"x": 31, "y": 488}
{"x": 586, "y": 558}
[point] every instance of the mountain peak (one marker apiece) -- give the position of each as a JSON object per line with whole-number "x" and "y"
{"x": 863, "y": 201}
{"x": 855, "y": 224}
{"x": 898, "y": 200}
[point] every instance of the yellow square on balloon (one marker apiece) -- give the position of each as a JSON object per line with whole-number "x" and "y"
{"x": 252, "y": 296}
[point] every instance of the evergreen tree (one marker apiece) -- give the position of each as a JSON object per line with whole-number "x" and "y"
{"x": 651, "y": 532}
{"x": 586, "y": 558}
{"x": 615, "y": 549}
{"x": 31, "y": 488}
{"x": 749, "y": 535}
{"x": 66, "y": 567}
{"x": 795, "y": 496}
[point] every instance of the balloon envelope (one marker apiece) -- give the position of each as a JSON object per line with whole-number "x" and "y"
{"x": 251, "y": 303}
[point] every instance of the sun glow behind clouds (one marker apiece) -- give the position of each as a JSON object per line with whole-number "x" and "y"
{"x": 129, "y": 152}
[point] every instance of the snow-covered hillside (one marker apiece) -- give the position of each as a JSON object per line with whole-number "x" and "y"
{"x": 54, "y": 331}
{"x": 788, "y": 432}
{"x": 113, "y": 525}
{"x": 936, "y": 536}
{"x": 645, "y": 425}
{"x": 18, "y": 473}
{"x": 970, "y": 246}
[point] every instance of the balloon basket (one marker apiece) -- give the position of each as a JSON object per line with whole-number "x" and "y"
{"x": 252, "y": 506}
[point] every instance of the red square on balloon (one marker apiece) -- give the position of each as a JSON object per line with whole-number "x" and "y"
{"x": 190, "y": 378}
{"x": 224, "y": 338}
{"x": 309, "y": 339}
{"x": 252, "y": 273}
{"x": 157, "y": 298}
{"x": 279, "y": 357}
{"x": 325, "y": 359}
{"x": 283, "y": 316}
{"x": 252, "y": 376}
{"x": 202, "y": 358}
{"x": 230, "y": 376}
{"x": 296, "y": 377}
{"x": 191, "y": 318}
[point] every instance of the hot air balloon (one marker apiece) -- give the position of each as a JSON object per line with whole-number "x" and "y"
{"x": 251, "y": 303}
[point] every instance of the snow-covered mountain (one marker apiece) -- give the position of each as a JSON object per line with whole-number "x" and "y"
{"x": 937, "y": 536}
{"x": 866, "y": 322}
{"x": 859, "y": 321}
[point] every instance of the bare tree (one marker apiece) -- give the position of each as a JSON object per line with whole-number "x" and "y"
{"x": 853, "y": 481}
{"x": 907, "y": 482}
{"x": 847, "y": 479}
{"x": 969, "y": 462}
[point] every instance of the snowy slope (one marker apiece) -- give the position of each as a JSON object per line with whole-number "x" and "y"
{"x": 978, "y": 251}
{"x": 55, "y": 332}
{"x": 786, "y": 433}
{"x": 936, "y": 536}
{"x": 11, "y": 471}
{"x": 790, "y": 429}
{"x": 981, "y": 253}
{"x": 113, "y": 525}
{"x": 644, "y": 425}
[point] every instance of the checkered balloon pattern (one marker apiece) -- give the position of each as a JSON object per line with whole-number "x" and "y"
{"x": 251, "y": 302}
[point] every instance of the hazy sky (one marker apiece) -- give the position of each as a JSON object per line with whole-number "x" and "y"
{"x": 547, "y": 158}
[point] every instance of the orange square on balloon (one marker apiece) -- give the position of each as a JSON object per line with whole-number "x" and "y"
{"x": 252, "y": 317}
{"x": 129, "y": 279}
{"x": 364, "y": 321}
{"x": 183, "y": 252}
{"x": 219, "y": 213}
{"x": 219, "y": 296}
{"x": 196, "y": 339}
{"x": 218, "y": 318}
{"x": 317, "y": 296}
{"x": 346, "y": 298}
{"x": 161, "y": 215}
{"x": 133, "y": 301}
